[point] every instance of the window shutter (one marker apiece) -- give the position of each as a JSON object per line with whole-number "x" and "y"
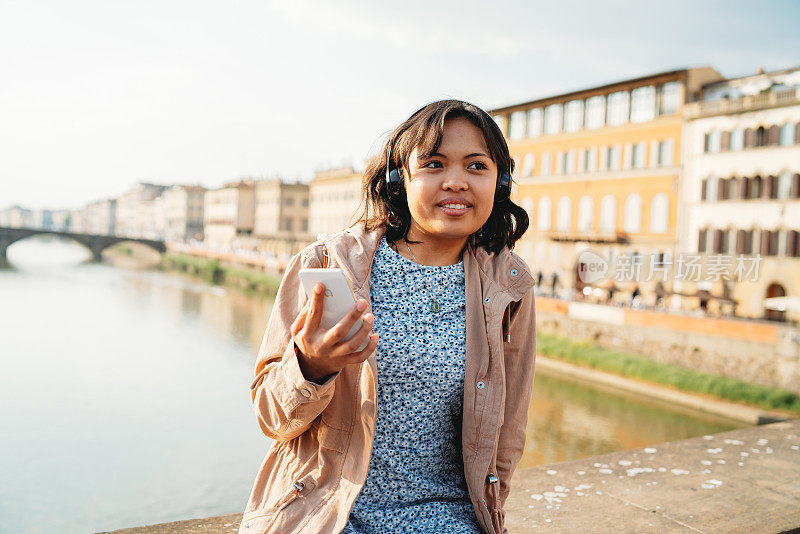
{"x": 725, "y": 141}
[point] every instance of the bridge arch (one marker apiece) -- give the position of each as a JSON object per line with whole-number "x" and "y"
{"x": 95, "y": 243}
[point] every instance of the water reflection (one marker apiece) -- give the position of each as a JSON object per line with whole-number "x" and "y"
{"x": 125, "y": 398}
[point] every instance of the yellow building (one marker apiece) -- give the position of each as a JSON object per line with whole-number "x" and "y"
{"x": 598, "y": 170}
{"x": 335, "y": 197}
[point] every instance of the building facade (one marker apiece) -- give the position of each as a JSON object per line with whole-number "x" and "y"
{"x": 742, "y": 188}
{"x": 133, "y": 215}
{"x": 229, "y": 213}
{"x": 183, "y": 207}
{"x": 598, "y": 171}
{"x": 101, "y": 217}
{"x": 335, "y": 197}
{"x": 282, "y": 212}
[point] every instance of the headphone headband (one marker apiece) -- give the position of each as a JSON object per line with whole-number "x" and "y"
{"x": 394, "y": 180}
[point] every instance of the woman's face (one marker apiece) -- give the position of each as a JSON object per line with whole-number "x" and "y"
{"x": 460, "y": 175}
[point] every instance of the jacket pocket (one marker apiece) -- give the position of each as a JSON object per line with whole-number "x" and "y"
{"x": 260, "y": 519}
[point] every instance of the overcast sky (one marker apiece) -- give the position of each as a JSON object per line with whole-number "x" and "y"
{"x": 97, "y": 95}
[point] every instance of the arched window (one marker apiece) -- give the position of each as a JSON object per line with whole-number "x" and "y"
{"x": 527, "y": 165}
{"x": 627, "y": 156}
{"x": 784, "y": 185}
{"x": 761, "y": 136}
{"x": 787, "y": 134}
{"x": 737, "y": 139}
{"x": 734, "y": 188}
{"x": 569, "y": 165}
{"x": 591, "y": 159}
{"x": 771, "y": 187}
{"x": 702, "y": 239}
{"x": 527, "y": 205}
{"x": 564, "y": 214}
{"x": 713, "y": 141}
{"x": 749, "y": 138}
{"x": 722, "y": 189}
{"x": 608, "y": 214}
{"x": 544, "y": 214}
{"x": 659, "y": 213}
{"x": 633, "y": 213}
{"x": 547, "y": 164}
{"x": 773, "y": 135}
{"x": 666, "y": 151}
{"x": 755, "y": 187}
{"x": 585, "y": 213}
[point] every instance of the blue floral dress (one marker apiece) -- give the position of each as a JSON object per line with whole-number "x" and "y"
{"x": 415, "y": 482}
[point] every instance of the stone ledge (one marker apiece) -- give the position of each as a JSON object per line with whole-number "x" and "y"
{"x": 746, "y": 480}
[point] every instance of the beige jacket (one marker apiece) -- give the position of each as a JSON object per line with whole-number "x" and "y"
{"x": 323, "y": 433}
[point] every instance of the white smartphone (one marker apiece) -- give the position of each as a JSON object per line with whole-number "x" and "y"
{"x": 338, "y": 298}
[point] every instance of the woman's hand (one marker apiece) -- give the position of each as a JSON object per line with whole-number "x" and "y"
{"x": 323, "y": 351}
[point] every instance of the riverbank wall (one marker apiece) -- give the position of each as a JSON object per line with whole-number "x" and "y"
{"x": 745, "y": 480}
{"x": 752, "y": 351}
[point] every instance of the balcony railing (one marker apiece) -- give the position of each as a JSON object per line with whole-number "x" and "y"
{"x": 725, "y": 106}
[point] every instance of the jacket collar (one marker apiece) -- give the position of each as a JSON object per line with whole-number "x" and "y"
{"x": 504, "y": 271}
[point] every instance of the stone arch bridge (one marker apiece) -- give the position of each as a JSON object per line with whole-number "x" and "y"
{"x": 95, "y": 243}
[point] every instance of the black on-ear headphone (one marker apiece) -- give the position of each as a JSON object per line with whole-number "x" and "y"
{"x": 394, "y": 179}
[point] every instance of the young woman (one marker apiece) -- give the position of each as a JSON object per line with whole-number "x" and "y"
{"x": 422, "y": 430}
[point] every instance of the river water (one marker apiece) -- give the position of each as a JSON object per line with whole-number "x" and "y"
{"x": 125, "y": 398}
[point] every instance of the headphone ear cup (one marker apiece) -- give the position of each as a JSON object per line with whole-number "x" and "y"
{"x": 394, "y": 181}
{"x": 504, "y": 187}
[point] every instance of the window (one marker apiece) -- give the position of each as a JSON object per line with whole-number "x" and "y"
{"x": 787, "y": 134}
{"x": 534, "y": 122}
{"x": 564, "y": 214}
{"x": 627, "y": 156}
{"x": 713, "y": 140}
{"x": 560, "y": 156}
{"x": 769, "y": 243}
{"x": 552, "y": 119}
{"x": 527, "y": 165}
{"x": 547, "y": 164}
{"x": 653, "y": 153}
{"x": 603, "y": 158}
{"x": 633, "y": 213}
{"x": 288, "y": 225}
{"x": 744, "y": 242}
{"x": 595, "y": 112}
{"x": 670, "y": 98}
{"x": 585, "y": 209}
{"x": 640, "y": 155}
{"x": 516, "y": 125}
{"x": 501, "y": 122}
{"x": 737, "y": 139}
{"x": 573, "y": 120}
{"x": 666, "y": 152}
{"x": 544, "y": 214}
{"x": 608, "y": 214}
{"x": 702, "y": 238}
{"x": 614, "y": 157}
{"x": 591, "y": 159}
{"x": 527, "y": 205}
{"x": 618, "y": 107}
{"x": 643, "y": 104}
{"x": 581, "y": 160}
{"x": 784, "y": 186}
{"x": 569, "y": 165}
{"x": 659, "y": 213}
{"x": 712, "y": 189}
{"x": 305, "y": 225}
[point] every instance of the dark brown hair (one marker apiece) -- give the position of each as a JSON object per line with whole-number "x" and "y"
{"x": 423, "y": 130}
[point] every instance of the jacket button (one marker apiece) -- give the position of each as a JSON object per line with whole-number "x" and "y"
{"x": 513, "y": 272}
{"x": 480, "y": 385}
{"x": 306, "y": 393}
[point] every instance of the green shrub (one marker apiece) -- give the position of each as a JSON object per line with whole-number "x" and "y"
{"x": 586, "y": 354}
